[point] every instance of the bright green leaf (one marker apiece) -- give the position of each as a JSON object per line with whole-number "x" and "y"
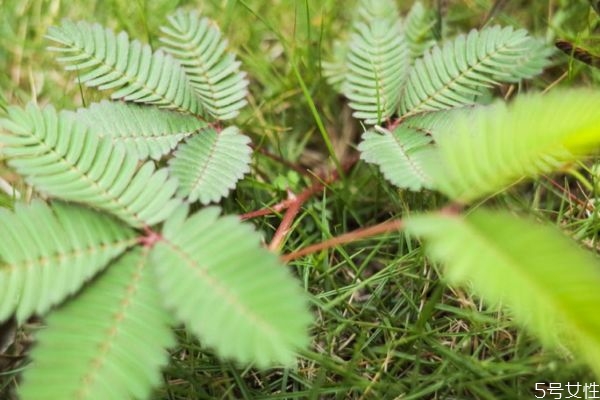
{"x": 547, "y": 282}
{"x": 493, "y": 147}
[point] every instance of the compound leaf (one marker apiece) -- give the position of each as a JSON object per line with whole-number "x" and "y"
{"x": 457, "y": 73}
{"x": 398, "y": 155}
{"x": 377, "y": 63}
{"x": 107, "y": 344}
{"x": 148, "y": 132}
{"x": 214, "y": 73}
{"x": 493, "y": 147}
{"x": 209, "y": 164}
{"x": 419, "y": 30}
{"x": 235, "y": 295}
{"x": 47, "y": 254}
{"x": 542, "y": 277}
{"x": 129, "y": 67}
{"x": 62, "y": 158}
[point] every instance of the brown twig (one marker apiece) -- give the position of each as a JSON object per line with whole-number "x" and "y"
{"x": 317, "y": 187}
{"x": 386, "y": 227}
{"x": 568, "y": 193}
{"x": 286, "y": 223}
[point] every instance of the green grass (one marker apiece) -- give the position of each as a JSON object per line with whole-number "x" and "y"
{"x": 386, "y": 326}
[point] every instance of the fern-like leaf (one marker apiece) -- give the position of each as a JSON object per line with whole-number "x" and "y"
{"x": 129, "y": 67}
{"x": 457, "y": 73}
{"x": 208, "y": 165}
{"x": 368, "y": 10}
{"x": 234, "y": 294}
{"x": 47, "y": 254}
{"x": 549, "y": 284}
{"x": 398, "y": 155}
{"x": 377, "y": 64}
{"x": 109, "y": 344}
{"x": 418, "y": 29}
{"x": 61, "y": 158}
{"x": 214, "y": 73}
{"x": 147, "y": 131}
{"x": 496, "y": 146}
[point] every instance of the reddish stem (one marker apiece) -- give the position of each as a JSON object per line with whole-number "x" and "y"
{"x": 286, "y": 223}
{"x": 150, "y": 238}
{"x": 318, "y": 186}
{"x": 386, "y": 227}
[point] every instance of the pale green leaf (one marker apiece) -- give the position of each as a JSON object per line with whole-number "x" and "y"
{"x": 493, "y": 147}
{"x": 235, "y": 295}
{"x": 457, "y": 73}
{"x": 368, "y": 10}
{"x": 214, "y": 73}
{"x": 419, "y": 30}
{"x": 398, "y": 155}
{"x": 109, "y": 343}
{"x": 547, "y": 282}
{"x": 108, "y": 61}
{"x": 209, "y": 164}
{"x": 148, "y": 132}
{"x": 47, "y": 254}
{"x": 62, "y": 158}
{"x": 377, "y": 65}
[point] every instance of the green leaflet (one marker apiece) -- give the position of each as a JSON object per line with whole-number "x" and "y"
{"x": 372, "y": 9}
{"x": 47, "y": 254}
{"x": 455, "y": 74}
{"x": 336, "y": 69}
{"x": 418, "y": 30}
{"x": 398, "y": 154}
{"x": 148, "y": 132}
{"x": 547, "y": 282}
{"x": 377, "y": 64}
{"x": 129, "y": 67}
{"x": 61, "y": 158}
{"x": 208, "y": 165}
{"x": 108, "y": 343}
{"x": 213, "y": 72}
{"x": 493, "y": 147}
{"x": 235, "y": 295}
